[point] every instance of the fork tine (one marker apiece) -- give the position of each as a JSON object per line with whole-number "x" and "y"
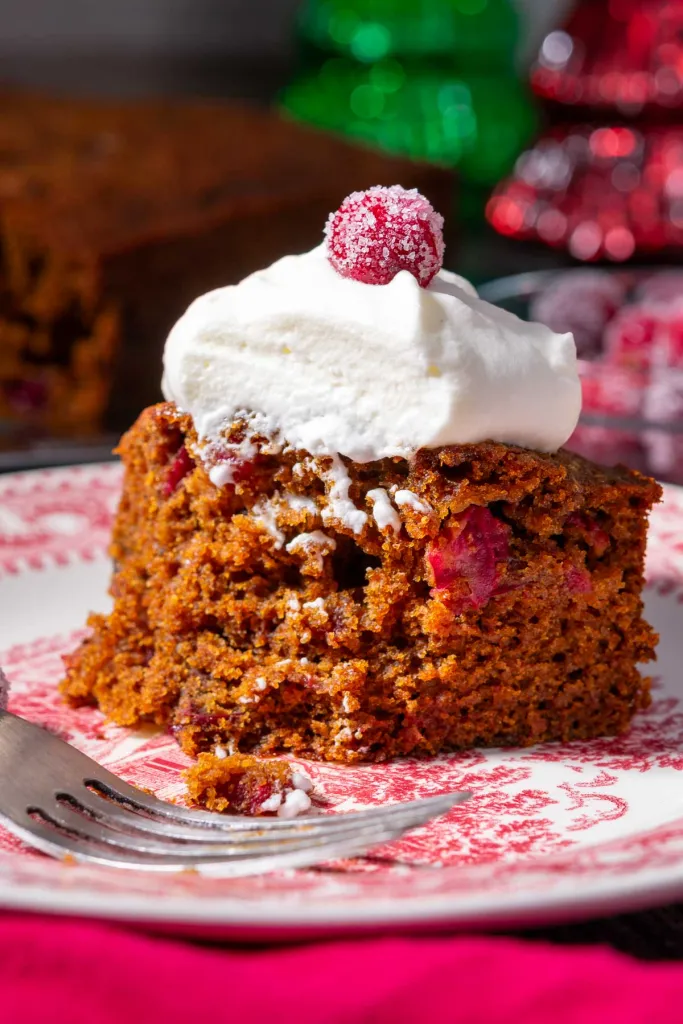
{"x": 57, "y": 844}
{"x": 93, "y": 816}
{"x": 25, "y": 743}
{"x": 81, "y": 828}
{"x": 416, "y": 812}
{"x": 114, "y": 828}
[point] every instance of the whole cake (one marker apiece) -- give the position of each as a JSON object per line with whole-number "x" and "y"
{"x": 114, "y": 215}
{"x": 351, "y": 531}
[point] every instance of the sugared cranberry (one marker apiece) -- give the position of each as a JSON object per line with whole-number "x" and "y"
{"x": 645, "y": 335}
{"x": 668, "y": 349}
{"x": 664, "y": 405}
{"x": 629, "y": 338}
{"x": 467, "y": 555}
{"x": 180, "y": 466}
{"x": 611, "y": 397}
{"x": 375, "y": 234}
{"x": 580, "y": 301}
{"x": 611, "y": 391}
{"x": 257, "y": 796}
{"x": 608, "y": 446}
{"x": 665, "y": 286}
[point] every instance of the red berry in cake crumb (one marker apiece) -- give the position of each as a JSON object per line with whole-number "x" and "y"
{"x": 578, "y": 580}
{"x": 596, "y": 538}
{"x": 466, "y": 556}
{"x": 375, "y": 234}
{"x": 180, "y": 466}
{"x": 229, "y": 466}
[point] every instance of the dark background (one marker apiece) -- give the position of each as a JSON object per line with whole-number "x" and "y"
{"x": 126, "y": 46}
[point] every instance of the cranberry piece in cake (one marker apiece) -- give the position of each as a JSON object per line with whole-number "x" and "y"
{"x": 467, "y": 555}
{"x": 578, "y": 580}
{"x": 375, "y": 234}
{"x": 180, "y": 466}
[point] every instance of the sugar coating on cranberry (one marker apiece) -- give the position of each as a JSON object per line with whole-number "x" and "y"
{"x": 376, "y": 234}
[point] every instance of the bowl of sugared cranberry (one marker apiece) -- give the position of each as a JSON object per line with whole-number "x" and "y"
{"x": 628, "y": 328}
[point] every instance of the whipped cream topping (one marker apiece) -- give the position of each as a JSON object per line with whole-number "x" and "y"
{"x": 338, "y": 367}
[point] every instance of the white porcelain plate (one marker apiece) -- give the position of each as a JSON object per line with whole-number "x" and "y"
{"x": 552, "y": 832}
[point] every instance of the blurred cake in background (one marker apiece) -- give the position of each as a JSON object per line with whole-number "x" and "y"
{"x": 114, "y": 216}
{"x": 435, "y": 81}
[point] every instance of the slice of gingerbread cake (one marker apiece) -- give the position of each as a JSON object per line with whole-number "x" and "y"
{"x": 352, "y": 532}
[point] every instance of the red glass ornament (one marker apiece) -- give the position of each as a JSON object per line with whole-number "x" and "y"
{"x": 613, "y": 191}
{"x": 616, "y": 54}
{"x": 602, "y": 193}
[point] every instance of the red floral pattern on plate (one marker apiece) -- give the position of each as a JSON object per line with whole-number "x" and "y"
{"x": 546, "y": 827}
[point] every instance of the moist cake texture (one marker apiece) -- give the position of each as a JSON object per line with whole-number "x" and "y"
{"x": 490, "y": 595}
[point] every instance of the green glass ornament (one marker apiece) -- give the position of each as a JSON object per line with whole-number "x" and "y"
{"x": 431, "y": 79}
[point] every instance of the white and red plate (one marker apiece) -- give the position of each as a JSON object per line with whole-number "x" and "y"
{"x": 550, "y": 833}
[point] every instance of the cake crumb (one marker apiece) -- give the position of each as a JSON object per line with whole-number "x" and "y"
{"x": 242, "y": 784}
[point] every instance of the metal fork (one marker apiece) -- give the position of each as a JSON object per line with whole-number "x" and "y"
{"x": 62, "y": 802}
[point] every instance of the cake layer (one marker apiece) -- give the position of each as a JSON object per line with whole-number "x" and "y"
{"x": 482, "y": 594}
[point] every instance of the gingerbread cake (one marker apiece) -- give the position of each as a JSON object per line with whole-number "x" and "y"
{"x": 352, "y": 533}
{"x": 113, "y": 216}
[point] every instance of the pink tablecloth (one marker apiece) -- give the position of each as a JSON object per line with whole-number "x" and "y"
{"x": 60, "y": 971}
